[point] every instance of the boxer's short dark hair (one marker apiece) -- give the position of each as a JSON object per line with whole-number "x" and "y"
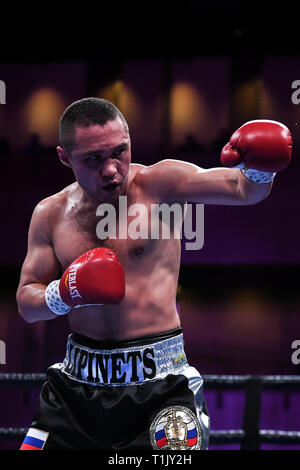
{"x": 84, "y": 113}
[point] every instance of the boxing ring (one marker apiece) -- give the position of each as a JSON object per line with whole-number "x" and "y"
{"x": 249, "y": 437}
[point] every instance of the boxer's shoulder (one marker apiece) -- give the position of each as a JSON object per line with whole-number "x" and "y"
{"x": 135, "y": 171}
{"x": 165, "y": 168}
{"x": 164, "y": 174}
{"x": 49, "y": 209}
{"x": 150, "y": 174}
{"x": 137, "y": 175}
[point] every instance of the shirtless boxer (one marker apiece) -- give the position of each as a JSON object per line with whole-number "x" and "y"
{"x": 125, "y": 382}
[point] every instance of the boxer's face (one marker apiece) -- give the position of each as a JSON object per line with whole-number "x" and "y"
{"x": 100, "y": 159}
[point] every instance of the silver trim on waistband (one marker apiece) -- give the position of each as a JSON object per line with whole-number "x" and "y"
{"x": 124, "y": 366}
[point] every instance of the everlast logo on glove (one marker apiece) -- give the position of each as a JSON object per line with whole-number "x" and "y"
{"x": 95, "y": 278}
{"x": 71, "y": 281}
{"x": 110, "y": 368}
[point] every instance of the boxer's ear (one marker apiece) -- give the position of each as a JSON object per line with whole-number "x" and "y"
{"x": 63, "y": 156}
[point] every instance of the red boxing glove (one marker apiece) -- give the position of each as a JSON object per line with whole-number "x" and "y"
{"x": 95, "y": 278}
{"x": 262, "y": 144}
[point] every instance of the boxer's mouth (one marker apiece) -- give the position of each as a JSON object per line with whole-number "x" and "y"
{"x": 111, "y": 187}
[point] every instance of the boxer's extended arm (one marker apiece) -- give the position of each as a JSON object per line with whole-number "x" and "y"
{"x": 182, "y": 181}
{"x": 259, "y": 148}
{"x": 39, "y": 268}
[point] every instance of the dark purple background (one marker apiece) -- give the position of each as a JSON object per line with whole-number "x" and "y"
{"x": 264, "y": 233}
{"x": 238, "y": 296}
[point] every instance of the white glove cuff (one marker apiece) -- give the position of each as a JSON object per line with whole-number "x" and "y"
{"x": 257, "y": 176}
{"x": 53, "y": 299}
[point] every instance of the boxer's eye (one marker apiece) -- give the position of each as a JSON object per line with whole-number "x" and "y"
{"x": 117, "y": 152}
{"x": 92, "y": 158}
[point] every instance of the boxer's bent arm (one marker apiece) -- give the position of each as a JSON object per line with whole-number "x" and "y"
{"x": 182, "y": 181}
{"x": 39, "y": 268}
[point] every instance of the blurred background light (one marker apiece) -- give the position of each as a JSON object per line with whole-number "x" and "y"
{"x": 42, "y": 112}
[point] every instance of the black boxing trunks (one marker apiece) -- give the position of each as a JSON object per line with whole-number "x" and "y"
{"x": 133, "y": 395}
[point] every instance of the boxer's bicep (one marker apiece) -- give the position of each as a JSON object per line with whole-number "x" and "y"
{"x": 39, "y": 268}
{"x": 209, "y": 186}
{"x": 182, "y": 181}
{"x": 41, "y": 265}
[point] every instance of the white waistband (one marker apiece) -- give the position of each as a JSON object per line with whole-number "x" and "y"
{"x": 124, "y": 366}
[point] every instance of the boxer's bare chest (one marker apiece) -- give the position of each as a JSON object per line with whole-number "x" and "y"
{"x": 130, "y": 228}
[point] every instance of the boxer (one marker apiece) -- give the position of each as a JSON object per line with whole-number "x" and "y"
{"x": 125, "y": 382}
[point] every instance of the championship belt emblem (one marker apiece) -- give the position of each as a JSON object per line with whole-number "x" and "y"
{"x": 176, "y": 428}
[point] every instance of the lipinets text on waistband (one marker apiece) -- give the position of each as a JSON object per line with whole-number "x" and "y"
{"x": 124, "y": 366}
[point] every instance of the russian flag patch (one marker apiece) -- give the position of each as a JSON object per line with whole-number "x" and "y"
{"x": 35, "y": 439}
{"x": 176, "y": 428}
